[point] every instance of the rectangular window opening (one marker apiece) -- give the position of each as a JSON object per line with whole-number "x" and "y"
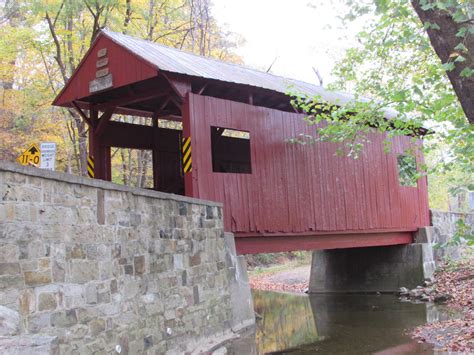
{"x": 230, "y": 151}
{"x": 407, "y": 173}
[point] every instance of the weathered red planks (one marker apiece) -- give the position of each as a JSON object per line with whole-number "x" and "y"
{"x": 298, "y": 189}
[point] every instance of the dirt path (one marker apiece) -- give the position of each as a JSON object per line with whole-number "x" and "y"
{"x": 289, "y": 279}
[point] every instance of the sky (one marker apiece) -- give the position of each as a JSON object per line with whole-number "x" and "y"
{"x": 299, "y": 36}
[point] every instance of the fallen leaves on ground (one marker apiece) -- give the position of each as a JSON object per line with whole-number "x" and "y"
{"x": 457, "y": 334}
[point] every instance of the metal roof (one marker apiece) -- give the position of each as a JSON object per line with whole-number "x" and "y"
{"x": 176, "y": 61}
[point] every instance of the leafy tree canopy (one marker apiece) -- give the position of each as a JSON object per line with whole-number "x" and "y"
{"x": 394, "y": 65}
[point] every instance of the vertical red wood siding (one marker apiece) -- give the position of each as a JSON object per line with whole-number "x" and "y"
{"x": 301, "y": 189}
{"x": 125, "y": 67}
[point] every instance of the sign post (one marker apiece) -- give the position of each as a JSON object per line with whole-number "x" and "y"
{"x": 48, "y": 155}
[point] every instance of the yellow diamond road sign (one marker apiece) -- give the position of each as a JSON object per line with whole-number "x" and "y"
{"x": 31, "y": 156}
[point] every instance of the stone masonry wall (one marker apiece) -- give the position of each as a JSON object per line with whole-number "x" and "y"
{"x": 108, "y": 269}
{"x": 444, "y": 228}
{"x": 446, "y": 221}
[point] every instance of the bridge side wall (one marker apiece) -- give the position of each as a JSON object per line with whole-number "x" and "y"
{"x": 296, "y": 189}
{"x": 100, "y": 267}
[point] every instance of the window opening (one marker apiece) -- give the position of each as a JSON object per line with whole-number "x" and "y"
{"x": 230, "y": 151}
{"x": 407, "y": 173}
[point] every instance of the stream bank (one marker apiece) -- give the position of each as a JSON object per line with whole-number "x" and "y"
{"x": 454, "y": 285}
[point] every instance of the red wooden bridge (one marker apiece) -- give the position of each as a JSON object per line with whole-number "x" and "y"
{"x": 233, "y": 149}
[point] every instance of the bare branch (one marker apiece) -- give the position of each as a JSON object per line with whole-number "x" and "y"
{"x": 58, "y": 55}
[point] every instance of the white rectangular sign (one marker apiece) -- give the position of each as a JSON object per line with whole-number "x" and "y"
{"x": 48, "y": 155}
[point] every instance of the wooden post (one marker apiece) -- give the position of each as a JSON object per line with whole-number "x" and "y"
{"x": 156, "y": 173}
{"x": 186, "y": 114}
{"x": 93, "y": 143}
{"x": 105, "y": 151}
{"x": 101, "y": 154}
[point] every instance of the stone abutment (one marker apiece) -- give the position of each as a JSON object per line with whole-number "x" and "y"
{"x": 87, "y": 266}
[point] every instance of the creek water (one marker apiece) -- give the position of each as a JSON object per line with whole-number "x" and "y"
{"x": 335, "y": 324}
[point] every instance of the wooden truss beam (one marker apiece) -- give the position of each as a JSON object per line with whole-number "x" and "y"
{"x": 181, "y": 86}
{"x": 81, "y": 113}
{"x": 132, "y": 98}
{"x": 202, "y": 89}
{"x": 104, "y": 121}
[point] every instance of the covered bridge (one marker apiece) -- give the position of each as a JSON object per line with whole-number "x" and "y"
{"x": 232, "y": 148}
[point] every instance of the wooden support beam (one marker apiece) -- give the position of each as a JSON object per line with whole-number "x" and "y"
{"x": 133, "y": 112}
{"x": 104, "y": 121}
{"x": 132, "y": 99}
{"x": 162, "y": 107}
{"x": 97, "y": 148}
{"x": 187, "y": 132}
{"x": 94, "y": 145}
{"x": 155, "y": 152}
{"x": 181, "y": 86}
{"x": 277, "y": 244}
{"x": 107, "y": 158}
{"x": 176, "y": 103}
{"x": 81, "y": 113}
{"x": 201, "y": 90}
{"x": 250, "y": 98}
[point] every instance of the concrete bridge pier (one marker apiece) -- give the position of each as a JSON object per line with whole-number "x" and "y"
{"x": 372, "y": 269}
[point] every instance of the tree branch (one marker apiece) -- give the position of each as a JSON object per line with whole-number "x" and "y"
{"x": 58, "y": 56}
{"x": 444, "y": 41}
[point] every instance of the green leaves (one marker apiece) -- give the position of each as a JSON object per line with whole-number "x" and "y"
{"x": 448, "y": 66}
{"x": 461, "y": 47}
{"x": 427, "y": 25}
{"x": 349, "y": 124}
{"x": 467, "y": 72}
{"x": 463, "y": 232}
{"x": 462, "y": 32}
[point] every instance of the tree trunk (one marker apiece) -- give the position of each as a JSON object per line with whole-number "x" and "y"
{"x": 82, "y": 139}
{"x": 124, "y": 167}
{"x": 443, "y": 41}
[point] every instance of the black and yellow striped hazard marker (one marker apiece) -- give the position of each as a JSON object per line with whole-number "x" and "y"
{"x": 90, "y": 166}
{"x": 187, "y": 158}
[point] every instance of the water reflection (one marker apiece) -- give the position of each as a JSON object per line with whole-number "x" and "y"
{"x": 286, "y": 321}
{"x": 334, "y": 324}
